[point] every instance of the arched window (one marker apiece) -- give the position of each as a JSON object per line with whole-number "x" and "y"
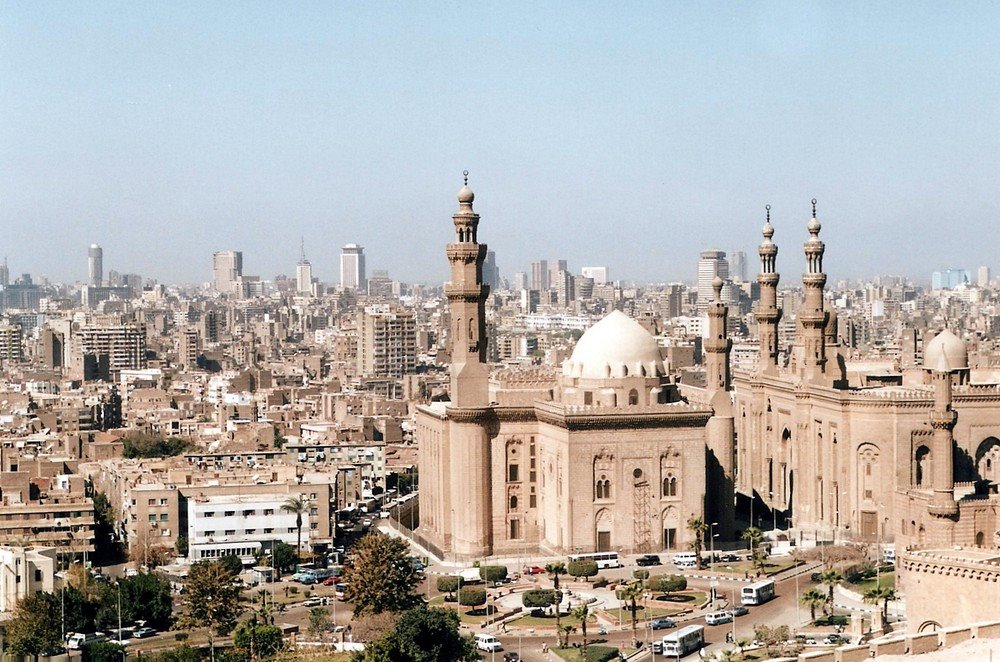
{"x": 603, "y": 488}
{"x": 980, "y": 539}
{"x": 670, "y": 485}
{"x": 922, "y": 470}
{"x": 513, "y": 502}
{"x": 633, "y": 397}
{"x": 472, "y": 324}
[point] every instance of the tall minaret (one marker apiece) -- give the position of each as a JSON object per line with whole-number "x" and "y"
{"x": 812, "y": 316}
{"x": 469, "y": 505}
{"x": 768, "y": 313}
{"x": 720, "y": 430}
{"x": 467, "y": 301}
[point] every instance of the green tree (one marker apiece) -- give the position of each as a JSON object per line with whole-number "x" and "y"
{"x": 582, "y": 568}
{"x": 668, "y": 584}
{"x": 493, "y": 573}
{"x": 582, "y": 613}
{"x": 142, "y": 445}
{"x": 145, "y": 597}
{"x": 103, "y": 651}
{"x": 830, "y": 578}
{"x": 284, "y": 558}
{"x": 448, "y": 584}
{"x": 555, "y": 570}
{"x": 538, "y": 598}
{"x": 35, "y": 629}
{"x": 472, "y": 597}
{"x": 641, "y": 574}
{"x": 319, "y": 619}
{"x": 382, "y": 577}
{"x": 813, "y": 599}
{"x": 885, "y": 594}
{"x": 752, "y": 536}
{"x": 697, "y": 526}
{"x": 630, "y": 593}
{"x": 563, "y": 632}
{"x": 107, "y": 547}
{"x": 180, "y": 654}
{"x": 211, "y": 600}
{"x": 771, "y": 636}
{"x": 298, "y": 506}
{"x": 232, "y": 563}
{"x": 421, "y": 635}
{"x": 257, "y": 641}
{"x": 181, "y": 545}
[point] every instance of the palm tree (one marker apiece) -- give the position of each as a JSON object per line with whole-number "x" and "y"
{"x": 564, "y": 631}
{"x": 581, "y": 613}
{"x": 830, "y": 578}
{"x": 631, "y": 592}
{"x": 554, "y": 570}
{"x": 752, "y": 536}
{"x": 742, "y": 643}
{"x": 698, "y": 527}
{"x": 883, "y": 593}
{"x": 296, "y": 505}
{"x": 813, "y": 599}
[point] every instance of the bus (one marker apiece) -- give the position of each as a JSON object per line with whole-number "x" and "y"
{"x": 757, "y": 593}
{"x": 684, "y": 641}
{"x": 602, "y": 559}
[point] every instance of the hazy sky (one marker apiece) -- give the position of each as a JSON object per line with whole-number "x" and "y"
{"x": 626, "y": 134}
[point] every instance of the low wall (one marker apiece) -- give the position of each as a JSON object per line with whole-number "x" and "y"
{"x": 923, "y": 643}
{"x": 953, "y": 636}
{"x": 818, "y": 656}
{"x": 890, "y": 647}
{"x": 853, "y": 653}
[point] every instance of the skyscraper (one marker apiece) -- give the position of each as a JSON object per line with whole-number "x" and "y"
{"x": 352, "y": 268}
{"x": 4, "y": 274}
{"x": 95, "y": 265}
{"x": 738, "y": 266}
{"x": 491, "y": 274}
{"x": 227, "y": 267}
{"x": 540, "y": 275}
{"x": 712, "y": 265}
{"x": 303, "y": 273}
{"x": 599, "y": 274}
{"x": 982, "y": 277}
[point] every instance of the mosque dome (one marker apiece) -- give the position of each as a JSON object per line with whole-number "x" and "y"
{"x": 465, "y": 194}
{"x": 617, "y": 346}
{"x": 945, "y": 353}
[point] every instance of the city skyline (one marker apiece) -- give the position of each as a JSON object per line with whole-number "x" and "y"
{"x": 644, "y": 137}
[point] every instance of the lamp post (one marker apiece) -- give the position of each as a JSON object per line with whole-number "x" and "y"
{"x": 733, "y": 587}
{"x": 774, "y": 511}
{"x": 711, "y": 557}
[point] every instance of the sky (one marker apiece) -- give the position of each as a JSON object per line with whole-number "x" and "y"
{"x": 631, "y": 135}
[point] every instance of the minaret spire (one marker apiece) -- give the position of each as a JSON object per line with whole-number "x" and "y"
{"x": 812, "y": 316}
{"x": 768, "y": 315}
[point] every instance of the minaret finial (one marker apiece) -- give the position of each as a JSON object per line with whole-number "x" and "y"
{"x": 814, "y": 207}
{"x": 768, "y": 209}
{"x": 465, "y": 177}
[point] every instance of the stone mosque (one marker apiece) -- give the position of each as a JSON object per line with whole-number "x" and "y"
{"x": 613, "y": 453}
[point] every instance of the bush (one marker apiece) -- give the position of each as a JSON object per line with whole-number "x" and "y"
{"x": 493, "y": 573}
{"x": 641, "y": 573}
{"x": 582, "y": 568}
{"x": 294, "y": 590}
{"x": 232, "y": 563}
{"x": 103, "y": 651}
{"x": 447, "y": 584}
{"x": 601, "y": 581}
{"x": 667, "y": 583}
{"x": 538, "y": 598}
{"x": 472, "y": 597}
{"x": 601, "y": 653}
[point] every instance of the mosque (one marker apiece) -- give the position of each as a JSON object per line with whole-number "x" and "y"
{"x": 612, "y": 453}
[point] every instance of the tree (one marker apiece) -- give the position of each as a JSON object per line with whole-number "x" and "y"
{"x": 79, "y": 578}
{"x": 582, "y": 613}
{"x": 211, "y": 599}
{"x": 103, "y": 651}
{"x": 257, "y": 641}
{"x": 284, "y": 557}
{"x": 563, "y": 632}
{"x": 697, "y": 526}
{"x": 582, "y": 568}
{"x": 538, "y": 598}
{"x": 883, "y": 593}
{"x": 298, "y": 506}
{"x": 752, "y": 536}
{"x": 35, "y": 628}
{"x": 79, "y": 611}
{"x": 232, "y": 563}
{"x": 472, "y": 597}
{"x": 448, "y": 584}
{"x": 493, "y": 573}
{"x": 554, "y": 570}
{"x": 142, "y": 445}
{"x": 631, "y": 593}
{"x": 319, "y": 618}
{"x": 107, "y": 546}
{"x": 383, "y": 577}
{"x": 147, "y": 597}
{"x": 421, "y": 635}
{"x": 641, "y": 574}
{"x": 771, "y": 636}
{"x": 813, "y": 599}
{"x": 668, "y": 584}
{"x": 181, "y": 545}
{"x": 830, "y": 578}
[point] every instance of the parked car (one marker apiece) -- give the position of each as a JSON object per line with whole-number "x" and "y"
{"x": 729, "y": 558}
{"x": 330, "y": 581}
{"x": 739, "y": 610}
{"x": 511, "y": 657}
{"x": 533, "y": 570}
{"x": 647, "y": 560}
{"x": 143, "y": 632}
{"x": 314, "y": 602}
{"x": 662, "y": 624}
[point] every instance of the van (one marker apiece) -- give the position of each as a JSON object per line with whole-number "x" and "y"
{"x": 78, "y": 640}
{"x": 685, "y": 559}
{"x": 488, "y": 643}
{"x": 718, "y": 618}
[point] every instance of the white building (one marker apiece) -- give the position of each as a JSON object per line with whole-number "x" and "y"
{"x": 599, "y": 274}
{"x": 23, "y": 572}
{"x": 352, "y": 268}
{"x": 243, "y": 525}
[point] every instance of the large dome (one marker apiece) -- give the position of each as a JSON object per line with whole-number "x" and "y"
{"x": 945, "y": 353}
{"x": 617, "y": 346}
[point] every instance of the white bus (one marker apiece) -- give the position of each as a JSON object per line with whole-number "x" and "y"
{"x": 684, "y": 641}
{"x": 602, "y": 559}
{"x": 757, "y": 593}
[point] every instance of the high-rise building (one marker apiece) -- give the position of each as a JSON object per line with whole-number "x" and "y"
{"x": 520, "y": 281}
{"x": 303, "y": 273}
{"x": 738, "y": 266}
{"x": 946, "y": 279}
{"x": 599, "y": 274}
{"x": 227, "y": 267}
{"x": 112, "y": 348}
{"x": 491, "y": 273}
{"x": 983, "y": 276}
{"x": 4, "y": 274}
{"x": 11, "y": 343}
{"x": 95, "y": 265}
{"x": 352, "y": 268}
{"x": 712, "y": 265}
{"x": 387, "y": 342}
{"x": 540, "y": 275}
{"x": 555, "y": 266}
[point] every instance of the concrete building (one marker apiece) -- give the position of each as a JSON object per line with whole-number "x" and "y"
{"x": 25, "y": 571}
{"x": 227, "y": 268}
{"x": 540, "y": 275}
{"x": 599, "y": 274}
{"x": 110, "y": 348}
{"x": 95, "y": 266}
{"x": 711, "y": 265}
{"x": 947, "y": 279}
{"x": 387, "y": 342}
{"x": 11, "y": 343}
{"x": 303, "y": 274}
{"x": 352, "y": 268}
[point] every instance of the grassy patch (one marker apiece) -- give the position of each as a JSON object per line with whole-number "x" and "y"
{"x": 886, "y": 580}
{"x": 595, "y": 652}
{"x": 468, "y": 615}
{"x": 746, "y": 568}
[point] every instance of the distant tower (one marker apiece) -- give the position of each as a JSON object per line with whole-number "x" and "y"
{"x": 738, "y": 265}
{"x": 469, "y": 408}
{"x": 95, "y": 265}
{"x": 812, "y": 315}
{"x": 720, "y": 428}
{"x": 4, "y": 274}
{"x": 352, "y": 268}
{"x": 227, "y": 267}
{"x": 768, "y": 314}
{"x": 303, "y": 272}
{"x": 712, "y": 264}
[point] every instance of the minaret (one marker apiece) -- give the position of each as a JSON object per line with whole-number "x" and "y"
{"x": 943, "y": 419}
{"x": 467, "y": 301}
{"x": 469, "y": 507}
{"x": 768, "y": 313}
{"x": 720, "y": 430}
{"x": 812, "y": 316}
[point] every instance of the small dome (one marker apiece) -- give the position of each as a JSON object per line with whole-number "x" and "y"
{"x": 617, "y": 346}
{"x": 465, "y": 195}
{"x": 947, "y": 352}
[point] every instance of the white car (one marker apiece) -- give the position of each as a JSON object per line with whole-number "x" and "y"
{"x": 488, "y": 643}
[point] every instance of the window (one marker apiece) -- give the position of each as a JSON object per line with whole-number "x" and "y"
{"x": 250, "y": 532}
{"x": 152, "y": 517}
{"x": 670, "y": 486}
{"x": 210, "y": 533}
{"x": 164, "y": 517}
{"x": 512, "y": 473}
{"x": 588, "y": 398}
{"x": 633, "y": 397}
{"x": 291, "y": 529}
{"x": 38, "y": 575}
{"x": 312, "y": 496}
{"x": 515, "y": 529}
{"x": 247, "y": 513}
{"x": 532, "y": 476}
{"x": 152, "y": 502}
{"x": 603, "y": 488}
{"x": 532, "y": 501}
{"x": 314, "y": 526}
{"x": 269, "y": 511}
{"x": 231, "y": 532}
{"x": 163, "y": 502}
{"x": 513, "y": 502}
{"x": 209, "y": 514}
{"x": 268, "y": 530}
{"x": 230, "y": 513}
